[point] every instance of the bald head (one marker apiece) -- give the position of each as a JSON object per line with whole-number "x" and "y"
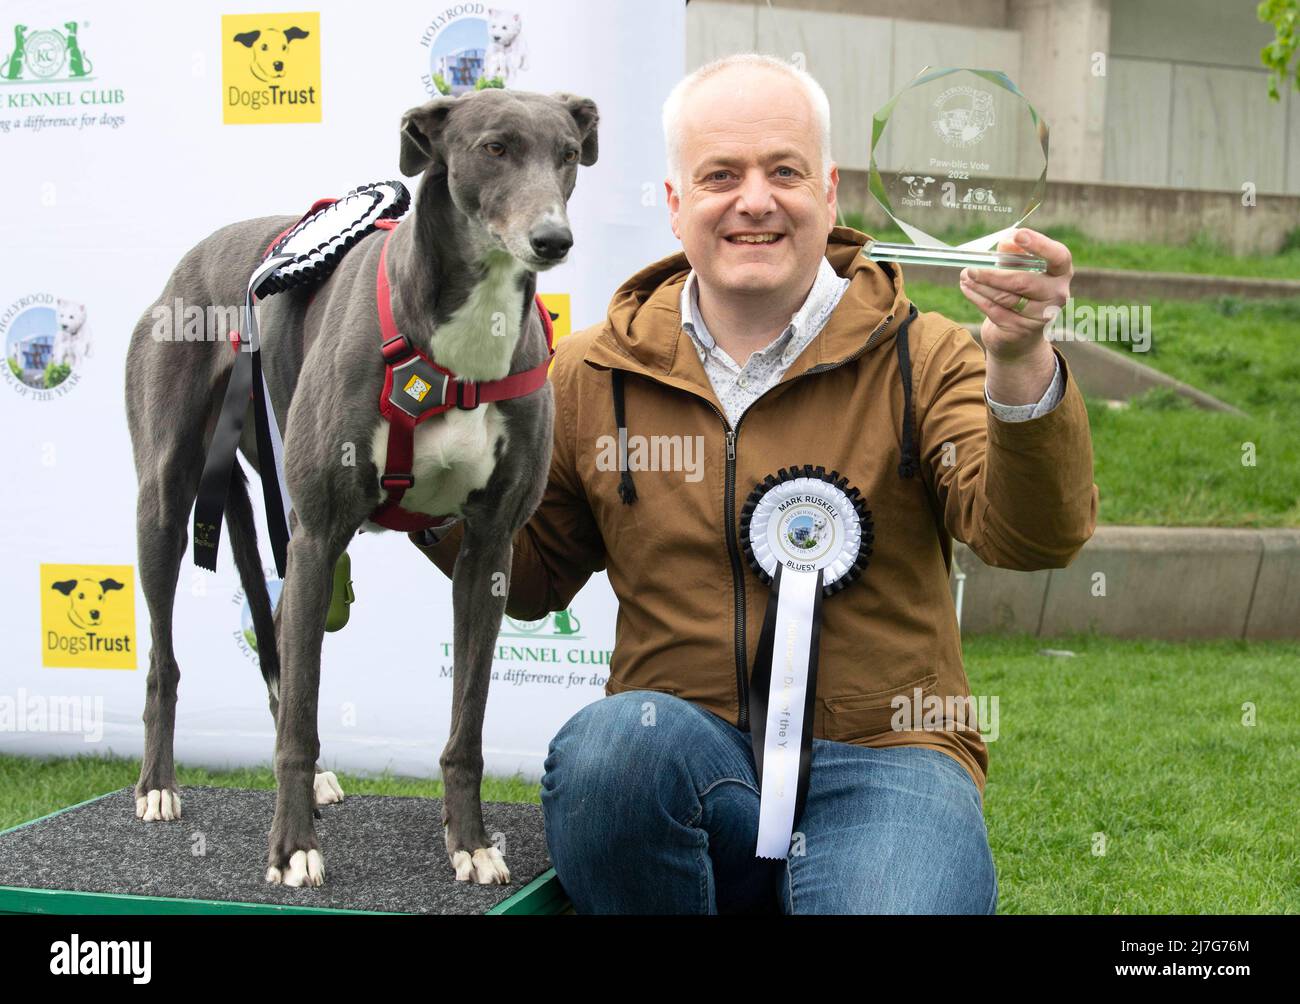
{"x": 753, "y": 89}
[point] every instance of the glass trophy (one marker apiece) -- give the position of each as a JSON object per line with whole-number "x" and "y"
{"x": 958, "y": 161}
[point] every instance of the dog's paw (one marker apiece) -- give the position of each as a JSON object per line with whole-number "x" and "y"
{"x": 305, "y": 868}
{"x": 326, "y": 787}
{"x": 155, "y": 805}
{"x": 486, "y": 866}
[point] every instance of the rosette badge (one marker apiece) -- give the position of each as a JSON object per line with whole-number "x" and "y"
{"x": 808, "y": 535}
{"x": 311, "y": 248}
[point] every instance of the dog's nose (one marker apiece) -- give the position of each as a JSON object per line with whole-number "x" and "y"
{"x": 551, "y": 242}
{"x": 94, "y": 615}
{"x": 279, "y": 65}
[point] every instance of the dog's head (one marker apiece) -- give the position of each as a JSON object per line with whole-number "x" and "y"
{"x": 503, "y": 26}
{"x": 510, "y": 159}
{"x": 86, "y": 599}
{"x": 270, "y": 49}
{"x": 71, "y": 317}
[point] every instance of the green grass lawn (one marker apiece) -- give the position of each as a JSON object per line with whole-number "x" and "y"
{"x": 1140, "y": 742}
{"x": 1164, "y": 462}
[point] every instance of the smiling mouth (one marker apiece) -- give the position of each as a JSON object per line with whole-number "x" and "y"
{"x": 755, "y": 240}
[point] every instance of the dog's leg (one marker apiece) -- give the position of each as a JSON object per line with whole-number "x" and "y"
{"x": 294, "y": 856}
{"x": 243, "y": 545}
{"x": 243, "y": 540}
{"x": 167, "y": 490}
{"x": 480, "y": 583}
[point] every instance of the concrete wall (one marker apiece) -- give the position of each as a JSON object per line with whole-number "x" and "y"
{"x": 1060, "y": 41}
{"x": 1147, "y": 582}
{"x": 860, "y": 61}
{"x": 1181, "y": 102}
{"x": 975, "y": 13}
{"x": 1187, "y": 99}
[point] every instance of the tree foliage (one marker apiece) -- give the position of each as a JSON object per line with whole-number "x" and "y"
{"x": 1284, "y": 16}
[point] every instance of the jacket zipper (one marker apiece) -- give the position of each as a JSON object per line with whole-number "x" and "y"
{"x": 733, "y": 549}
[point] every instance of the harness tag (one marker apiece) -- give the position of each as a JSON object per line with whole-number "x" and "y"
{"x": 418, "y": 388}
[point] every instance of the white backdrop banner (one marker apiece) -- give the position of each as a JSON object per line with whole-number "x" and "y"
{"x": 130, "y": 131}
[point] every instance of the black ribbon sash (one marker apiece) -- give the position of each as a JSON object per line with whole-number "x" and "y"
{"x": 246, "y": 381}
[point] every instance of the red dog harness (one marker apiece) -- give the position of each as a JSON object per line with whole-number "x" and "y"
{"x": 416, "y": 388}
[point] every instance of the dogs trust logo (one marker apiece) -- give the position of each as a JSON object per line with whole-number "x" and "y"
{"x": 270, "y": 68}
{"x": 88, "y": 616}
{"x": 557, "y": 305}
{"x": 46, "y": 343}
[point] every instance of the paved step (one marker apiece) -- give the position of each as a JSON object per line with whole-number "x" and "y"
{"x": 1174, "y": 583}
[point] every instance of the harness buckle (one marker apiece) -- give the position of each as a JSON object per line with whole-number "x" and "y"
{"x": 391, "y": 481}
{"x": 461, "y": 396}
{"x": 396, "y": 349}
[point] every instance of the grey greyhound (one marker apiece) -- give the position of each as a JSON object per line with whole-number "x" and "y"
{"x": 498, "y": 169}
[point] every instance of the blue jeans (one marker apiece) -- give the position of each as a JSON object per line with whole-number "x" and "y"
{"x": 651, "y": 807}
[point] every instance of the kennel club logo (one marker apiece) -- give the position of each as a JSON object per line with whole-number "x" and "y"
{"x": 560, "y": 624}
{"x": 46, "y": 54}
{"x": 472, "y": 46}
{"x": 88, "y": 616}
{"x": 41, "y": 60}
{"x": 270, "y": 68}
{"x": 46, "y": 342}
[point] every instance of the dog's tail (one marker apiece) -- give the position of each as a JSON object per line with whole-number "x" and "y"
{"x": 243, "y": 543}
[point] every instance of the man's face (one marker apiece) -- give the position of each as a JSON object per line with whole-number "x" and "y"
{"x": 751, "y": 165}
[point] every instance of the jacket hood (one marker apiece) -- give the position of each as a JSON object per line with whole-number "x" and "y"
{"x": 643, "y": 326}
{"x": 643, "y": 333}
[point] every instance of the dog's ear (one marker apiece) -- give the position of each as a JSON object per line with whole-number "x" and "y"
{"x": 291, "y": 33}
{"x": 584, "y": 113}
{"x": 65, "y": 587}
{"x": 422, "y": 129}
{"x": 107, "y": 585}
{"x": 247, "y": 38}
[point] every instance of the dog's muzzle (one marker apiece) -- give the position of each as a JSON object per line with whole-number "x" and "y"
{"x": 551, "y": 242}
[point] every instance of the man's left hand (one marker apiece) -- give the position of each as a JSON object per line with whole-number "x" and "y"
{"x": 1020, "y": 359}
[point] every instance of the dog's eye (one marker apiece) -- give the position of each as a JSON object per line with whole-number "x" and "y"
{"x": 494, "y": 149}
{"x": 570, "y": 155}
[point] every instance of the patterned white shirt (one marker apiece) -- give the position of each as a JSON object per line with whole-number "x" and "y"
{"x": 738, "y": 387}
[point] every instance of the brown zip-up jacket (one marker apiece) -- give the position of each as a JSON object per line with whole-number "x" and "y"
{"x": 1020, "y": 494}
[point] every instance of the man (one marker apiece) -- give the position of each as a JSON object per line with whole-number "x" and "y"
{"x": 776, "y": 342}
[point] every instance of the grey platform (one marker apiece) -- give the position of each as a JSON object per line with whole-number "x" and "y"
{"x": 383, "y": 854}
